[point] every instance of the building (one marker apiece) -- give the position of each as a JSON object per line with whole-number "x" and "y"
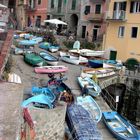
{"x": 65, "y": 10}
{"x": 31, "y": 13}
{"x": 36, "y": 12}
{"x": 92, "y": 23}
{"x": 122, "y": 34}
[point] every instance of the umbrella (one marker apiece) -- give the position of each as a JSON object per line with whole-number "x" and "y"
{"x": 2, "y": 30}
{"x": 2, "y": 6}
{"x": 55, "y": 21}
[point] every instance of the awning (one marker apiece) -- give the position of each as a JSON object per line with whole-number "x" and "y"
{"x": 55, "y": 21}
{"x": 2, "y": 6}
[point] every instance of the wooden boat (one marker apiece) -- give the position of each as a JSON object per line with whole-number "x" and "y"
{"x": 61, "y": 90}
{"x": 81, "y": 124}
{"x": 22, "y": 51}
{"x": 53, "y": 48}
{"x": 34, "y": 59}
{"x": 51, "y": 69}
{"x": 50, "y": 59}
{"x": 91, "y": 106}
{"x": 44, "y": 45}
{"x": 93, "y": 89}
{"x": 39, "y": 99}
{"x": 99, "y": 63}
{"x": 99, "y": 72}
{"x": 119, "y": 126}
{"x": 76, "y": 47}
{"x": 14, "y": 78}
{"x": 88, "y": 52}
{"x": 28, "y": 42}
{"x": 74, "y": 59}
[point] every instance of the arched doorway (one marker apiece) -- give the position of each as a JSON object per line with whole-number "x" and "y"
{"x": 73, "y": 23}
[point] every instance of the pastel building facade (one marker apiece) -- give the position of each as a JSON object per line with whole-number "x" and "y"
{"x": 123, "y": 29}
{"x": 92, "y": 23}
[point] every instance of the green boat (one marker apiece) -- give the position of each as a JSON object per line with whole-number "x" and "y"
{"x": 34, "y": 59}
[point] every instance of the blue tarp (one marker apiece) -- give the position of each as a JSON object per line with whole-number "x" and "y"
{"x": 81, "y": 125}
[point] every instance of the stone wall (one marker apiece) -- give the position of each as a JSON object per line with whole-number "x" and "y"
{"x": 49, "y": 123}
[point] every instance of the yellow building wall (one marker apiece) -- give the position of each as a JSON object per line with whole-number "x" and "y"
{"x": 126, "y": 47}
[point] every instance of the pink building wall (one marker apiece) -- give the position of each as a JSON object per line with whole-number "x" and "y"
{"x": 87, "y": 20}
{"x": 39, "y": 10}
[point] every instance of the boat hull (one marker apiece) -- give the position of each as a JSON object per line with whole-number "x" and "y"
{"x": 89, "y": 104}
{"x": 51, "y": 69}
{"x": 119, "y": 126}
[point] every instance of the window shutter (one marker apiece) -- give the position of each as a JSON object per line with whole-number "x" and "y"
{"x": 114, "y": 6}
{"x": 131, "y": 6}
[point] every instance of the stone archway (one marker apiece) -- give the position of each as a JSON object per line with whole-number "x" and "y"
{"x": 73, "y": 23}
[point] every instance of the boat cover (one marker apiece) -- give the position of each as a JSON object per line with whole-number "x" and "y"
{"x": 81, "y": 124}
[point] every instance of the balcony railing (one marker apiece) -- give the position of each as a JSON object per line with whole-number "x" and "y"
{"x": 116, "y": 15}
{"x": 97, "y": 1}
{"x": 95, "y": 17}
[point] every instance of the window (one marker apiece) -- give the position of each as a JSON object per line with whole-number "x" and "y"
{"x": 98, "y": 9}
{"x": 38, "y": 21}
{"x": 83, "y": 31}
{"x": 121, "y": 31}
{"x": 87, "y": 10}
{"x": 135, "y": 7}
{"x": 39, "y": 2}
{"x": 73, "y": 7}
{"x": 134, "y": 32}
{"x": 52, "y": 3}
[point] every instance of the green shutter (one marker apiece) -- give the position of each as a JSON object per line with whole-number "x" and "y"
{"x": 65, "y": 1}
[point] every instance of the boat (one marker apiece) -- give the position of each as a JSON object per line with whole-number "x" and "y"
{"x": 51, "y": 69}
{"x": 37, "y": 39}
{"x": 97, "y": 63}
{"x": 76, "y": 47}
{"x": 44, "y": 45}
{"x": 14, "y": 78}
{"x": 93, "y": 89}
{"x": 119, "y": 126}
{"x": 34, "y": 59}
{"x": 63, "y": 53}
{"x": 36, "y": 100}
{"x": 53, "y": 48}
{"x": 22, "y": 51}
{"x": 61, "y": 90}
{"x": 99, "y": 72}
{"x": 81, "y": 124}
{"x": 28, "y": 42}
{"x": 89, "y": 104}
{"x": 74, "y": 59}
{"x": 50, "y": 59}
{"x": 44, "y": 90}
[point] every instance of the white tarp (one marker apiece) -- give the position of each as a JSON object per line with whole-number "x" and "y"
{"x": 2, "y": 6}
{"x": 55, "y": 21}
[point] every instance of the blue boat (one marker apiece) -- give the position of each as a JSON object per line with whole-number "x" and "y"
{"x": 44, "y": 45}
{"x": 38, "y": 99}
{"x": 92, "y": 87}
{"x": 50, "y": 59}
{"x": 37, "y": 39}
{"x": 89, "y": 104}
{"x": 99, "y": 63}
{"x": 44, "y": 90}
{"x": 61, "y": 90}
{"x": 119, "y": 126}
{"x": 53, "y": 48}
{"x": 81, "y": 124}
{"x": 28, "y": 42}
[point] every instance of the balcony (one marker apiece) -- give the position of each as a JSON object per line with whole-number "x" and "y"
{"x": 30, "y": 8}
{"x": 95, "y": 17}
{"x": 97, "y": 1}
{"x": 118, "y": 15}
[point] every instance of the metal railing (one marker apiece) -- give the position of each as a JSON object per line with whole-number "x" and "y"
{"x": 116, "y": 15}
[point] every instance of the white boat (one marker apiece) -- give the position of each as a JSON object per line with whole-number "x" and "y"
{"x": 74, "y": 59}
{"x": 100, "y": 73}
{"x": 88, "y": 52}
